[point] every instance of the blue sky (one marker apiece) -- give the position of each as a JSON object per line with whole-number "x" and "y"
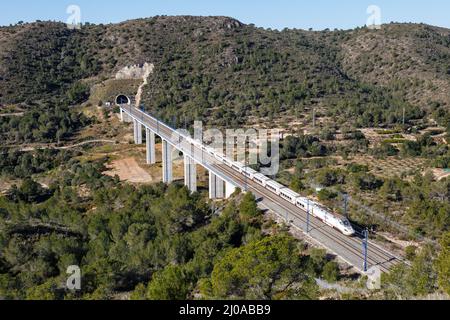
{"x": 316, "y": 14}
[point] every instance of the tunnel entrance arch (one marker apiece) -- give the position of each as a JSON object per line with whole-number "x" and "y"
{"x": 123, "y": 99}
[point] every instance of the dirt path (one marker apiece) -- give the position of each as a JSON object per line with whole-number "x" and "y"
{"x": 128, "y": 170}
{"x": 17, "y": 114}
{"x": 53, "y": 146}
{"x": 87, "y": 142}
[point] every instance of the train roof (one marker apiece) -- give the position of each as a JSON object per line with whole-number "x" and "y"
{"x": 289, "y": 192}
{"x": 300, "y": 198}
{"x": 275, "y": 184}
{"x": 238, "y": 164}
{"x": 331, "y": 212}
{"x": 250, "y": 170}
{"x": 261, "y": 177}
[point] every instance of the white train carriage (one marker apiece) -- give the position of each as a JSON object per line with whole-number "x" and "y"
{"x": 211, "y": 151}
{"x": 219, "y": 156}
{"x": 318, "y": 211}
{"x": 303, "y": 203}
{"x": 227, "y": 162}
{"x": 332, "y": 219}
{"x": 237, "y": 166}
{"x": 345, "y": 227}
{"x": 261, "y": 179}
{"x": 249, "y": 172}
{"x": 274, "y": 186}
{"x": 289, "y": 195}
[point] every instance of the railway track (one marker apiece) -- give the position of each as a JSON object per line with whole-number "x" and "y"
{"x": 376, "y": 256}
{"x": 348, "y": 248}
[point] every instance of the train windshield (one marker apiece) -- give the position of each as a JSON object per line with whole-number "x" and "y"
{"x": 346, "y": 223}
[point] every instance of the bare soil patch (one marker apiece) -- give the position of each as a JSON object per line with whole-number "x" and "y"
{"x": 128, "y": 170}
{"x": 440, "y": 174}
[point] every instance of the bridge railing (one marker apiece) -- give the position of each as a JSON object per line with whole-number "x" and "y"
{"x": 198, "y": 157}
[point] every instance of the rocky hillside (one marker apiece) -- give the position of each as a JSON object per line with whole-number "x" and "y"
{"x": 413, "y": 60}
{"x": 222, "y": 70}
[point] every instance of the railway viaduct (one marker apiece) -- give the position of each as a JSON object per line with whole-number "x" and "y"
{"x": 220, "y": 186}
{"x": 223, "y": 182}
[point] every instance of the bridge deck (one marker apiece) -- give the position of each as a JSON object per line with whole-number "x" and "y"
{"x": 349, "y": 249}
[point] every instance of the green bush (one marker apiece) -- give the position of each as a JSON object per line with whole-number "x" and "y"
{"x": 330, "y": 271}
{"x": 326, "y": 194}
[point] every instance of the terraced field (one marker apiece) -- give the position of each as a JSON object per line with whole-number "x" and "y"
{"x": 393, "y": 166}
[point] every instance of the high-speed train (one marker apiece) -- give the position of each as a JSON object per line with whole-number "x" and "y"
{"x": 317, "y": 210}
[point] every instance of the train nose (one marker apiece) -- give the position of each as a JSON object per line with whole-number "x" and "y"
{"x": 349, "y": 232}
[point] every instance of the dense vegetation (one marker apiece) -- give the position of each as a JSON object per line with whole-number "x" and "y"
{"x": 46, "y": 61}
{"x": 41, "y": 124}
{"x": 424, "y": 202}
{"x": 159, "y": 242}
{"x": 302, "y": 146}
{"x": 18, "y": 164}
{"x": 428, "y": 272}
{"x": 220, "y": 70}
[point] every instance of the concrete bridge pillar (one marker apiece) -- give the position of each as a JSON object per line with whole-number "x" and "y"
{"x": 216, "y": 187}
{"x": 190, "y": 174}
{"x": 229, "y": 189}
{"x": 167, "y": 162}
{"x": 137, "y": 132}
{"x": 150, "y": 144}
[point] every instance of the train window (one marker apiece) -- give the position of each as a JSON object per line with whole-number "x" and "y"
{"x": 285, "y": 196}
